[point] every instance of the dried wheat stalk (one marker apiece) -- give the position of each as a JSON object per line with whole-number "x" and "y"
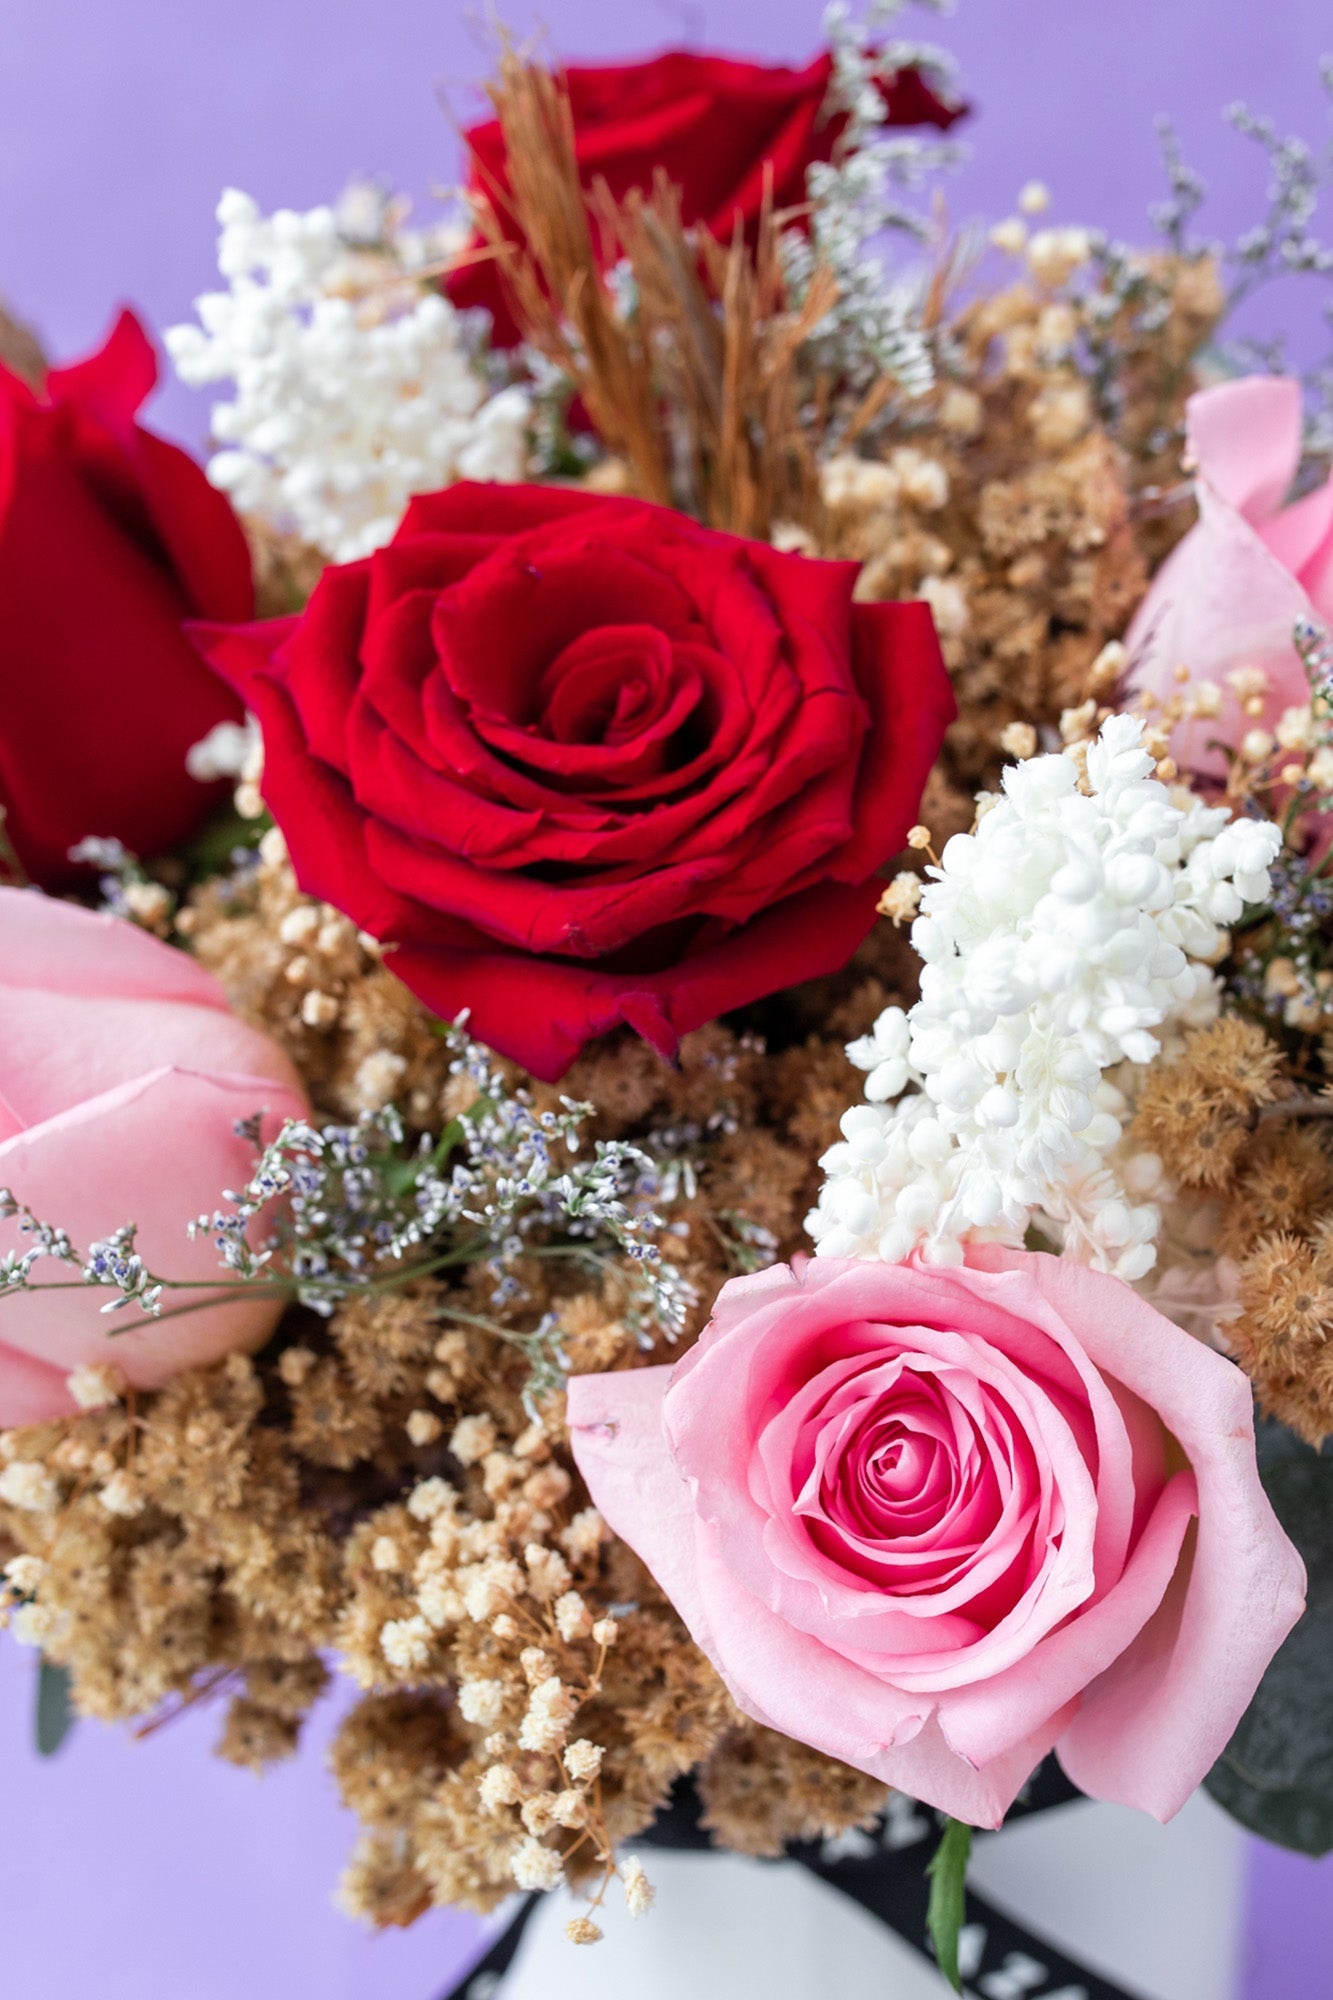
{"x": 559, "y": 298}
{"x": 20, "y": 349}
{"x": 699, "y": 388}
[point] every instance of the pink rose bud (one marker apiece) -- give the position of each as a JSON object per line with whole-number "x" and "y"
{"x": 937, "y": 1522}
{"x": 123, "y": 1074}
{"x": 1216, "y": 627}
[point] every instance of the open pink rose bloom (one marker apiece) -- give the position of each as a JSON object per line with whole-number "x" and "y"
{"x": 123, "y": 1074}
{"x": 1230, "y": 594}
{"x": 939, "y": 1521}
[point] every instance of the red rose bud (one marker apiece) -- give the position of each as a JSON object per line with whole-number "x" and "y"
{"x": 109, "y": 537}
{"x": 583, "y": 761}
{"x": 713, "y": 125}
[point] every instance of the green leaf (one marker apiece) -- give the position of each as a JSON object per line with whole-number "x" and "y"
{"x": 947, "y": 1870}
{"x": 1276, "y": 1774}
{"x": 400, "y": 1175}
{"x": 55, "y": 1710}
{"x": 455, "y": 1132}
{"x": 210, "y": 852}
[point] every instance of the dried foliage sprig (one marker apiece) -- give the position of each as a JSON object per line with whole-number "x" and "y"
{"x": 389, "y": 1484}
{"x": 334, "y": 1212}
{"x": 566, "y": 309}
{"x": 686, "y": 354}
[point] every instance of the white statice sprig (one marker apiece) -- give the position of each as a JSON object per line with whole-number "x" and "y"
{"x": 871, "y": 190}
{"x": 356, "y": 384}
{"x": 125, "y": 886}
{"x": 331, "y": 1211}
{"x": 334, "y": 1209}
{"x": 1061, "y": 939}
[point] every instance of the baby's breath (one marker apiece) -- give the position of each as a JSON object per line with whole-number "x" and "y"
{"x": 1056, "y": 939}
{"x": 356, "y": 383}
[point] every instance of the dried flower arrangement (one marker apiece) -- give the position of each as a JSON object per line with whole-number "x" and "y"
{"x": 511, "y": 772}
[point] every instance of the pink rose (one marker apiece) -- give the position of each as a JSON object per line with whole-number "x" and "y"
{"x": 1230, "y": 594}
{"x": 122, "y": 1075}
{"x": 936, "y": 1522}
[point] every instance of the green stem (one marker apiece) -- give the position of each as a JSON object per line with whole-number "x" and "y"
{"x": 581, "y": 1251}
{"x": 248, "y": 1288}
{"x": 947, "y": 1870}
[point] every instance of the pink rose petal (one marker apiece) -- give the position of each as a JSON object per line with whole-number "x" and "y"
{"x": 123, "y": 1073}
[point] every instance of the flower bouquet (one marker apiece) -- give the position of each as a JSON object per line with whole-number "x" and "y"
{"x": 667, "y": 1006}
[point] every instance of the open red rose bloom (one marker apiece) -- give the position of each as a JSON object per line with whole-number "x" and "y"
{"x": 582, "y": 761}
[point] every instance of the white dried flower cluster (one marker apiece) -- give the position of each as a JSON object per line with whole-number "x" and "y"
{"x": 499, "y": 1786}
{"x": 573, "y": 1619}
{"x": 543, "y": 1810}
{"x": 473, "y": 1437}
{"x": 121, "y": 1495}
{"x": 356, "y": 383}
{"x": 229, "y": 750}
{"x": 433, "y": 1496}
{"x": 20, "y": 1579}
{"x": 639, "y": 1891}
{"x": 551, "y": 1708}
{"x": 96, "y": 1388}
{"x": 406, "y": 1642}
{"x": 481, "y": 1701}
{"x": 583, "y": 1760}
{"x": 1057, "y": 937}
{"x": 26, "y": 1484}
{"x": 23, "y": 1575}
{"x": 34, "y": 1624}
{"x": 534, "y": 1866}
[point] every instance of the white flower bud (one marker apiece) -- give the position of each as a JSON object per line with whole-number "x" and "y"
{"x": 1058, "y": 937}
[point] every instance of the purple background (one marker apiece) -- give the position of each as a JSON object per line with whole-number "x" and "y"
{"x": 120, "y": 124}
{"x": 149, "y": 1872}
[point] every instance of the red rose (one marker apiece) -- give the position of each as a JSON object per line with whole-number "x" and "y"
{"x": 109, "y": 537}
{"x": 583, "y": 761}
{"x": 711, "y": 123}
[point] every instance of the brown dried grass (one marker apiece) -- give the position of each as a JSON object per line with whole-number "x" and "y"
{"x": 20, "y": 349}
{"x": 699, "y": 387}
